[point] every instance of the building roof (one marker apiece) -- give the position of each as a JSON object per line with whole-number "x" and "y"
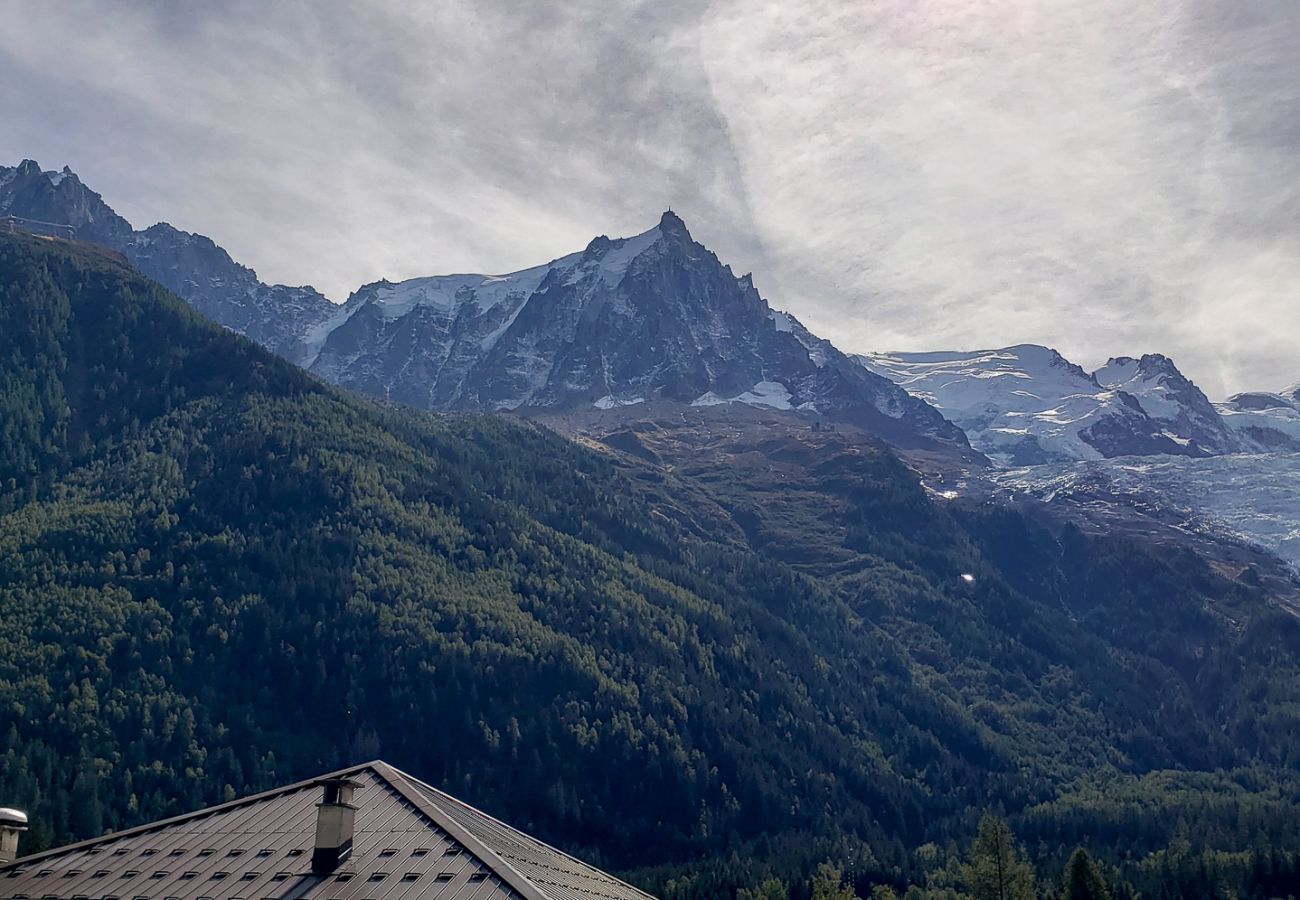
{"x": 411, "y": 840}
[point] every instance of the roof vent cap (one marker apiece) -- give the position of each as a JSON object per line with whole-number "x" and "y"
{"x": 13, "y": 822}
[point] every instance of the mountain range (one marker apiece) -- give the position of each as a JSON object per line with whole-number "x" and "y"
{"x": 816, "y": 601}
{"x": 655, "y": 316}
{"x": 1027, "y": 405}
{"x": 626, "y": 326}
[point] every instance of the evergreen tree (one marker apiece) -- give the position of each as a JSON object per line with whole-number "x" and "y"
{"x": 995, "y": 870}
{"x": 1082, "y": 880}
{"x": 828, "y": 884}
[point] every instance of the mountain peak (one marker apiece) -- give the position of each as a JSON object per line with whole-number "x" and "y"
{"x": 1158, "y": 362}
{"x": 671, "y": 223}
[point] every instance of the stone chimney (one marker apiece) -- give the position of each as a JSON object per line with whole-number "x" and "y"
{"x": 335, "y": 818}
{"x": 13, "y": 822}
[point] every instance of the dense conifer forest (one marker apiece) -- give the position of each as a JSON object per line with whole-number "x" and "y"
{"x": 218, "y": 574}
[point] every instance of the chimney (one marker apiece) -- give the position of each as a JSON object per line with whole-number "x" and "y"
{"x": 13, "y": 822}
{"x": 335, "y": 816}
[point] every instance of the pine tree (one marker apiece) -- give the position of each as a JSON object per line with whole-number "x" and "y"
{"x": 1082, "y": 880}
{"x": 771, "y": 889}
{"x": 828, "y": 884}
{"x": 995, "y": 870}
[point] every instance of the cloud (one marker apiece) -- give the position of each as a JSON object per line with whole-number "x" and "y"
{"x": 343, "y": 142}
{"x": 1101, "y": 176}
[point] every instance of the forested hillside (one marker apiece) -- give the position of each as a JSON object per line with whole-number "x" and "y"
{"x": 218, "y": 574}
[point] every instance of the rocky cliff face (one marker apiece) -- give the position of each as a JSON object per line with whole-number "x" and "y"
{"x": 626, "y": 321}
{"x": 189, "y": 265}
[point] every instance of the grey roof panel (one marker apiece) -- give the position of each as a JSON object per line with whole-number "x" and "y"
{"x": 411, "y": 841}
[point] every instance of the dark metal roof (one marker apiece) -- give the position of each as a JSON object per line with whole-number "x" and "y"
{"x": 411, "y": 841}
{"x": 558, "y": 875}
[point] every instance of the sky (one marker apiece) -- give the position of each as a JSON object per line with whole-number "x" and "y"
{"x": 1107, "y": 177}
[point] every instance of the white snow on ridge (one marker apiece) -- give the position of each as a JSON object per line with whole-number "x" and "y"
{"x": 618, "y": 259}
{"x": 817, "y": 348}
{"x": 1010, "y": 402}
{"x": 447, "y": 292}
{"x": 611, "y": 264}
{"x": 1117, "y": 372}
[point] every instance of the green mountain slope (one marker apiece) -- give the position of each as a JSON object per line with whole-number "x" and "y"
{"x": 217, "y": 574}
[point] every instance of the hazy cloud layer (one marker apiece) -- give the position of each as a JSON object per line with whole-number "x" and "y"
{"x": 1102, "y": 176}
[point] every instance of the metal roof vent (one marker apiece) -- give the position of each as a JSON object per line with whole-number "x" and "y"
{"x": 335, "y": 818}
{"x": 13, "y": 822}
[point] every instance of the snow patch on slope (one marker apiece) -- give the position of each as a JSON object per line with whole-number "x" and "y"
{"x": 783, "y": 321}
{"x": 616, "y": 260}
{"x": 819, "y": 350}
{"x": 610, "y": 402}
{"x": 772, "y": 394}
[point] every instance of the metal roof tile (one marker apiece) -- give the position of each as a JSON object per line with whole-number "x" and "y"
{"x": 260, "y": 846}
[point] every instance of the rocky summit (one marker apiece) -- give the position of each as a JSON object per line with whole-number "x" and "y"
{"x": 625, "y": 321}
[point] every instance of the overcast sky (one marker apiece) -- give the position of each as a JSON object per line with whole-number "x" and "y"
{"x": 1104, "y": 176}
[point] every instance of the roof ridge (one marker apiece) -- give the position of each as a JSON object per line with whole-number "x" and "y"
{"x": 196, "y": 814}
{"x": 397, "y": 779}
{"x": 513, "y": 830}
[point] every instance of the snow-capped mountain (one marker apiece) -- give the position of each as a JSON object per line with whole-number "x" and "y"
{"x": 1269, "y": 421}
{"x": 652, "y": 317}
{"x": 655, "y": 317}
{"x": 1026, "y": 404}
{"x": 1169, "y": 399}
{"x": 1133, "y": 441}
{"x": 189, "y": 265}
